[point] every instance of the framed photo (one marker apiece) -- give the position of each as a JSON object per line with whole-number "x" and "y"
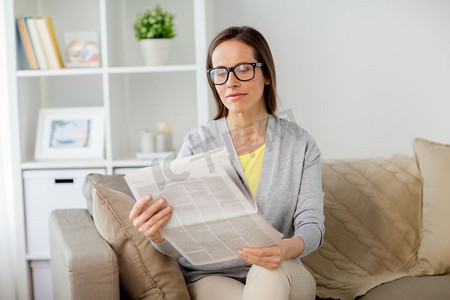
{"x": 70, "y": 133}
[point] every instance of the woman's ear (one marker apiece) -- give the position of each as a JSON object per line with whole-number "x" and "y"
{"x": 267, "y": 81}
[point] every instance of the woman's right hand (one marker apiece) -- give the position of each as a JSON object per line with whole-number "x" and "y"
{"x": 149, "y": 219}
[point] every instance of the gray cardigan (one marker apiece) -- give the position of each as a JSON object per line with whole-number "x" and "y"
{"x": 289, "y": 196}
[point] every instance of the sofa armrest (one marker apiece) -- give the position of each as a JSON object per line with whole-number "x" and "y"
{"x": 83, "y": 264}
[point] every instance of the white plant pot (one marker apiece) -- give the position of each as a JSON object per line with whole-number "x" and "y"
{"x": 155, "y": 52}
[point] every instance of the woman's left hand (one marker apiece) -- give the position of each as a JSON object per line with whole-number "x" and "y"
{"x": 271, "y": 257}
{"x": 266, "y": 257}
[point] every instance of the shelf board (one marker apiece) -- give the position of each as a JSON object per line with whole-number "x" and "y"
{"x": 37, "y": 257}
{"x": 133, "y": 163}
{"x": 130, "y": 160}
{"x": 34, "y": 165}
{"x": 152, "y": 69}
{"x": 110, "y": 70}
{"x": 123, "y": 162}
{"x": 59, "y": 72}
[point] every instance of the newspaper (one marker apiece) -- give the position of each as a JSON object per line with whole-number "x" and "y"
{"x": 214, "y": 213}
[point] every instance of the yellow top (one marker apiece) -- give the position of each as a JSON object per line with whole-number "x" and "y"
{"x": 252, "y": 165}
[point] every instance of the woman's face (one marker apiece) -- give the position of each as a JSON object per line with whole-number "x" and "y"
{"x": 239, "y": 96}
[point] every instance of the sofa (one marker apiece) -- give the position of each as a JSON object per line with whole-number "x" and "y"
{"x": 387, "y": 235}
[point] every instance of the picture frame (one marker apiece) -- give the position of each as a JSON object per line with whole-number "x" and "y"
{"x": 70, "y": 133}
{"x": 81, "y": 49}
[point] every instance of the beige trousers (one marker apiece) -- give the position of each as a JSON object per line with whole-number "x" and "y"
{"x": 287, "y": 282}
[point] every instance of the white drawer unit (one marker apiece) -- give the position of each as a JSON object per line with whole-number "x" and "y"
{"x": 42, "y": 280}
{"x": 44, "y": 191}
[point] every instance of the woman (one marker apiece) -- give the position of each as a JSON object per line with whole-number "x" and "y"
{"x": 281, "y": 163}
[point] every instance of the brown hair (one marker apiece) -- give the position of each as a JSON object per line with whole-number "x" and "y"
{"x": 262, "y": 53}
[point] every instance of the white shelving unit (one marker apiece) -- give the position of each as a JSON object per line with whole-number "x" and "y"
{"x": 134, "y": 96}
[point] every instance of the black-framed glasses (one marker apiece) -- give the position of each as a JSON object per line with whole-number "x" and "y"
{"x": 242, "y": 71}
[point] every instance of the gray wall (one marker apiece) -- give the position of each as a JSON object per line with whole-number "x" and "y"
{"x": 363, "y": 77}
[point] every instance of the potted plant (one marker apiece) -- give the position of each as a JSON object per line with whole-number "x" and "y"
{"x": 154, "y": 30}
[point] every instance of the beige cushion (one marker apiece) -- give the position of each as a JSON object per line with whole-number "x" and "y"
{"x": 144, "y": 272}
{"x": 372, "y": 211}
{"x": 412, "y": 288}
{"x": 115, "y": 182}
{"x": 434, "y": 165}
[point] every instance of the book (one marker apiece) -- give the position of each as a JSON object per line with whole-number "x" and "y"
{"x": 36, "y": 42}
{"x": 51, "y": 30}
{"x": 214, "y": 213}
{"x": 82, "y": 49}
{"x": 48, "y": 40}
{"x": 26, "y": 44}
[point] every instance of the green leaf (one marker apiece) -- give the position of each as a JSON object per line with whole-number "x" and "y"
{"x": 154, "y": 23}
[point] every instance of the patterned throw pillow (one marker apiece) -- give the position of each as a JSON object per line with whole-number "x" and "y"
{"x": 434, "y": 164}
